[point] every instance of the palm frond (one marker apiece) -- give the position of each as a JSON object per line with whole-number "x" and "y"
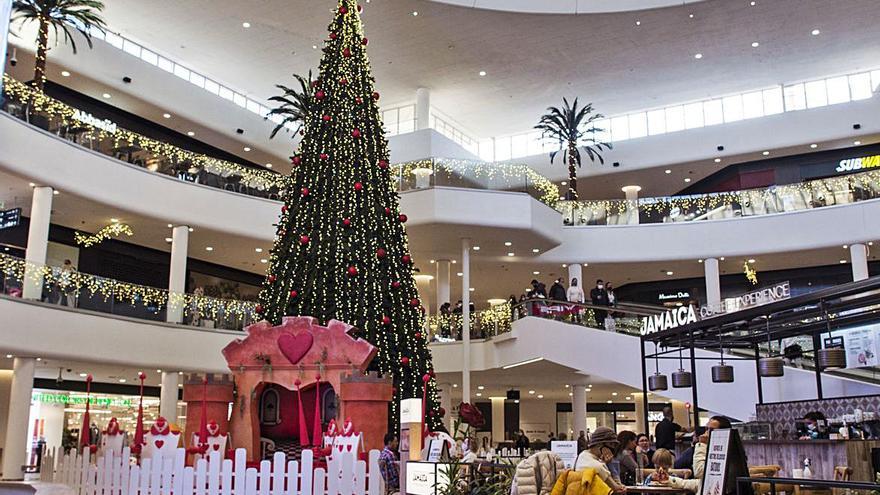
{"x": 81, "y": 15}
{"x": 572, "y": 125}
{"x": 296, "y": 104}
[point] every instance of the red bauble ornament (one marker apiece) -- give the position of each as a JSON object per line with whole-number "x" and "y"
{"x": 358, "y": 100}
{"x": 414, "y": 302}
{"x": 315, "y": 83}
{"x": 365, "y": 42}
{"x": 346, "y": 52}
{"x": 404, "y": 361}
{"x": 426, "y": 378}
{"x": 343, "y": 9}
{"x": 346, "y": 222}
{"x": 406, "y": 259}
{"x": 358, "y": 186}
{"x": 402, "y": 218}
{"x": 343, "y": 81}
{"x": 352, "y": 271}
{"x": 418, "y": 335}
{"x": 303, "y": 239}
{"x": 319, "y": 95}
{"x": 386, "y": 320}
{"x": 326, "y": 118}
{"x": 271, "y": 279}
{"x": 304, "y": 191}
{"x": 283, "y": 208}
{"x": 356, "y": 133}
{"x": 387, "y": 211}
{"x": 324, "y": 156}
{"x": 395, "y": 285}
{"x": 296, "y": 160}
{"x": 376, "y": 95}
{"x": 383, "y": 164}
{"x": 258, "y": 308}
{"x": 293, "y": 294}
{"x": 380, "y": 253}
{"x": 332, "y": 36}
{"x": 360, "y": 8}
{"x": 302, "y": 132}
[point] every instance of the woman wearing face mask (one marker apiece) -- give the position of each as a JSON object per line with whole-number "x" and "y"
{"x": 814, "y": 431}
{"x": 600, "y": 451}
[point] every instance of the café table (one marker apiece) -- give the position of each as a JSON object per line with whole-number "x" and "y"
{"x": 655, "y": 490}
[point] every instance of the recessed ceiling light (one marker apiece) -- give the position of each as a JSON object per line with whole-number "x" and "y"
{"x": 751, "y": 260}
{"x": 268, "y": 165}
{"x": 814, "y": 146}
{"x": 753, "y": 3}
{"x": 857, "y": 142}
{"x": 846, "y": 246}
{"x": 314, "y": 47}
{"x": 191, "y": 229}
{"x": 482, "y": 73}
{"x": 614, "y": 394}
{"x": 479, "y": 394}
{"x": 670, "y": 273}
{"x": 106, "y": 96}
{"x": 870, "y": 243}
{"x": 815, "y": 32}
{"x": 432, "y": 261}
{"x": 765, "y": 153}
{"x": 39, "y": 359}
{"x": 563, "y": 183}
{"x": 508, "y": 243}
{"x": 566, "y": 386}
{"x": 699, "y": 261}
{"x": 170, "y": 225}
{"x": 698, "y": 56}
{"x": 190, "y": 133}
{"x": 531, "y": 392}
{"x": 511, "y": 254}
{"x": 690, "y": 16}
{"x": 258, "y": 250}
{"x": 755, "y": 44}
{"x": 114, "y": 220}
{"x": 32, "y": 184}
{"x": 83, "y": 375}
{"x": 471, "y": 289}
{"x": 629, "y": 398}
{"x": 608, "y": 401}
{"x": 264, "y": 261}
{"x": 668, "y": 171}
{"x": 476, "y": 248}
{"x": 454, "y": 261}
{"x": 415, "y": 13}
{"x": 638, "y": 23}
{"x": 245, "y": 25}
{"x": 718, "y": 160}
{"x": 687, "y": 179}
{"x": 65, "y": 73}
{"x": 536, "y": 273}
{"x": 9, "y": 356}
{"x": 158, "y": 371}
{"x": 168, "y": 239}
{"x": 166, "y": 115}
{"x": 536, "y": 250}
{"x": 570, "y": 394}
{"x": 209, "y": 248}
{"x": 56, "y": 192}
{"x": 454, "y": 385}
{"x": 481, "y": 387}
{"x": 842, "y": 262}
{"x": 721, "y": 258}
{"x": 247, "y": 148}
{"x": 122, "y": 380}
{"x": 540, "y": 396}
{"x": 460, "y": 274}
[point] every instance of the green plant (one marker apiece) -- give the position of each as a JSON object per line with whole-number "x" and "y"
{"x": 296, "y": 105}
{"x": 574, "y": 128}
{"x": 60, "y": 15}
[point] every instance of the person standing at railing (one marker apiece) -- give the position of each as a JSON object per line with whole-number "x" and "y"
{"x": 610, "y": 323}
{"x": 576, "y": 295}
{"x": 599, "y": 297}
{"x": 557, "y": 291}
{"x": 539, "y": 290}
{"x": 66, "y": 286}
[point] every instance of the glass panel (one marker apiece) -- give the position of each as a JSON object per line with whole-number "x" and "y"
{"x": 239, "y": 100}
{"x": 657, "y": 122}
{"x": 166, "y": 64}
{"x": 794, "y": 97}
{"x": 253, "y": 106}
{"x": 407, "y": 113}
{"x": 875, "y": 79}
{"x": 520, "y": 145}
{"x": 197, "y": 79}
{"x": 619, "y": 128}
{"x": 114, "y": 40}
{"x": 838, "y": 90}
{"x": 149, "y": 57}
{"x": 733, "y": 110}
{"x": 131, "y": 48}
{"x": 674, "y": 118}
{"x": 181, "y": 72}
{"x": 638, "y": 125}
{"x": 211, "y": 86}
{"x": 693, "y": 115}
{"x": 502, "y": 148}
{"x": 753, "y": 105}
{"x": 604, "y": 134}
{"x": 860, "y": 86}
{"x": 487, "y": 150}
{"x": 773, "y": 102}
{"x": 713, "y": 112}
{"x": 406, "y": 126}
{"x": 817, "y": 94}
{"x": 535, "y": 145}
{"x": 225, "y": 93}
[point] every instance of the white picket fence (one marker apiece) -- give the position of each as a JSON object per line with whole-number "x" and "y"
{"x": 114, "y": 475}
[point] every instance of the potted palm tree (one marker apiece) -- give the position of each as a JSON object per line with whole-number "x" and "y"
{"x": 574, "y": 128}
{"x": 62, "y": 16}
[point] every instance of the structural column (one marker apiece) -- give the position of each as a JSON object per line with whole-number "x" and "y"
{"x": 578, "y": 409}
{"x": 632, "y": 199}
{"x": 168, "y": 396}
{"x": 859, "y": 256}
{"x": 423, "y": 108}
{"x": 38, "y": 242}
{"x": 15, "y": 448}
{"x": 497, "y": 420}
{"x": 5, "y": 14}
{"x": 639, "y": 401}
{"x": 713, "y": 283}
{"x": 466, "y": 320}
{"x": 575, "y": 270}
{"x": 177, "y": 274}
{"x": 442, "y": 283}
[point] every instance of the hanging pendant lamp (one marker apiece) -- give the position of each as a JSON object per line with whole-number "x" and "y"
{"x": 657, "y": 381}
{"x": 682, "y": 378}
{"x": 722, "y": 373}
{"x": 770, "y": 366}
{"x": 831, "y": 358}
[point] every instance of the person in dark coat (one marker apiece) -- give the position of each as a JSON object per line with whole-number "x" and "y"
{"x": 599, "y": 297}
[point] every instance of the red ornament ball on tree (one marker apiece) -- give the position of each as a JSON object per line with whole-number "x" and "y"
{"x": 271, "y": 279}
{"x": 346, "y": 222}
{"x": 343, "y": 9}
{"x": 352, "y": 271}
{"x": 343, "y": 81}
{"x": 414, "y": 302}
{"x": 304, "y": 239}
{"x": 404, "y": 361}
{"x": 332, "y": 36}
{"x": 324, "y": 156}
{"x": 376, "y": 95}
{"x": 346, "y": 53}
{"x": 402, "y": 218}
{"x": 293, "y": 294}
{"x": 380, "y": 253}
{"x": 418, "y": 335}
{"x": 283, "y": 208}
{"x": 296, "y": 160}
{"x": 358, "y": 186}
{"x": 386, "y": 320}
{"x": 387, "y": 211}
{"x": 326, "y": 118}
{"x": 365, "y": 42}
{"x": 360, "y": 8}
{"x": 406, "y": 259}
{"x": 358, "y": 100}
{"x": 426, "y": 378}
{"x": 383, "y": 164}
{"x": 304, "y": 191}
{"x": 319, "y": 95}
{"x": 356, "y": 133}
{"x": 395, "y": 285}
{"x": 258, "y": 308}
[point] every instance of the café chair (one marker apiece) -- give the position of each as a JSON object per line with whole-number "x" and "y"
{"x": 842, "y": 473}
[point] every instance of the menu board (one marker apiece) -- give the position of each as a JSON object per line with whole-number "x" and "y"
{"x": 10, "y": 218}
{"x": 566, "y": 450}
{"x": 725, "y": 461}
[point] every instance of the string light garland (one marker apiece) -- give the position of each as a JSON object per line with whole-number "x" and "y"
{"x": 112, "y": 230}
{"x": 20, "y": 271}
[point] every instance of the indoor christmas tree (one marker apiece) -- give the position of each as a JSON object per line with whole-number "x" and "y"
{"x": 341, "y": 248}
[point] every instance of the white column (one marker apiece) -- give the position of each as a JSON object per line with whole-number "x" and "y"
{"x": 859, "y": 256}
{"x": 442, "y": 283}
{"x": 632, "y": 197}
{"x": 423, "y": 108}
{"x": 497, "y": 419}
{"x": 713, "y": 283}
{"x": 177, "y": 273}
{"x": 466, "y": 320}
{"x": 38, "y": 242}
{"x": 641, "y": 426}
{"x": 576, "y": 270}
{"x": 5, "y": 13}
{"x": 168, "y": 396}
{"x": 15, "y": 448}
{"x": 578, "y": 409}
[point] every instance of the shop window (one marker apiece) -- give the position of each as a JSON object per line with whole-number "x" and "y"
{"x": 131, "y": 48}
{"x": 620, "y": 128}
{"x": 270, "y": 410}
{"x": 181, "y": 72}
{"x": 753, "y": 105}
{"x": 638, "y": 125}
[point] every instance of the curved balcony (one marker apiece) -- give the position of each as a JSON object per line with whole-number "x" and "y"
{"x": 566, "y": 6}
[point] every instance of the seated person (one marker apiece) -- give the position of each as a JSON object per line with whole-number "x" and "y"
{"x": 600, "y": 451}
{"x": 664, "y": 460}
{"x": 815, "y": 425}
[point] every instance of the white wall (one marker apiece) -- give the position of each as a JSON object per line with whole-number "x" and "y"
{"x": 537, "y": 411}
{"x": 425, "y": 143}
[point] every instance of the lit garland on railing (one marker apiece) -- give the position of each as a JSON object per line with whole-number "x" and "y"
{"x": 492, "y": 321}
{"x": 18, "y": 270}
{"x": 112, "y": 230}
{"x": 810, "y": 191}
{"x": 41, "y": 102}
{"x": 473, "y": 169}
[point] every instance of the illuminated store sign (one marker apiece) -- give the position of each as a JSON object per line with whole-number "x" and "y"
{"x": 766, "y": 295}
{"x": 87, "y": 118}
{"x": 679, "y": 295}
{"x": 53, "y": 398}
{"x": 856, "y": 164}
{"x": 673, "y": 318}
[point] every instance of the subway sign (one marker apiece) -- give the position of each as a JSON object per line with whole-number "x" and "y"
{"x": 856, "y": 164}
{"x": 66, "y": 399}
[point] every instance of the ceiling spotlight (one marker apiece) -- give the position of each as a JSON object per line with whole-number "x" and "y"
{"x": 753, "y": 3}
{"x": 247, "y": 148}
{"x": 842, "y": 262}
{"x": 629, "y": 397}
{"x": 690, "y": 16}
{"x": 259, "y": 250}
{"x": 168, "y": 239}
{"x": 481, "y": 387}
{"x": 614, "y": 394}
{"x": 609, "y": 401}
{"x": 815, "y": 32}
{"x": 482, "y": 73}
{"x": 264, "y": 261}
{"x": 846, "y": 246}
{"x": 432, "y": 261}
{"x": 511, "y": 254}
{"x": 751, "y": 260}
{"x": 245, "y": 25}
{"x": 65, "y": 73}
{"x": 83, "y": 375}
{"x": 190, "y": 133}
{"x": 508, "y": 243}
{"x": 857, "y": 142}
{"x": 454, "y": 385}
{"x": 563, "y": 183}
{"x": 460, "y": 274}
{"x": 668, "y": 171}
{"x": 479, "y": 394}
{"x": 564, "y": 265}
{"x": 415, "y": 13}
{"x": 122, "y": 380}
{"x": 166, "y": 115}
{"x": 476, "y": 248}
{"x": 531, "y": 392}
{"x": 536, "y": 250}
{"x": 114, "y": 220}
{"x": 718, "y": 160}
{"x": 814, "y": 146}
{"x": 106, "y": 96}
{"x": 540, "y": 396}
{"x": 670, "y": 273}
{"x": 536, "y": 273}
{"x": 755, "y": 44}
{"x": 471, "y": 289}
{"x": 638, "y": 23}
{"x": 687, "y": 179}
{"x": 699, "y": 261}
{"x": 314, "y": 47}
{"x": 268, "y": 165}
{"x": 698, "y": 56}
{"x": 56, "y": 192}
{"x": 721, "y": 258}
{"x": 765, "y": 153}
{"x": 209, "y": 248}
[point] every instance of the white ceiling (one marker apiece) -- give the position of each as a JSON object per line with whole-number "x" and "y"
{"x": 531, "y": 60}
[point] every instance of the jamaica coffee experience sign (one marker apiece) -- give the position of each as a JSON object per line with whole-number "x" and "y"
{"x": 674, "y": 318}
{"x": 725, "y": 461}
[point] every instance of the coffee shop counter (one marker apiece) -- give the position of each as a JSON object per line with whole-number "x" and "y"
{"x": 824, "y": 456}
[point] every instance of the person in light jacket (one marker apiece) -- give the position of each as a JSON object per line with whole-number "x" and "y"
{"x": 576, "y": 295}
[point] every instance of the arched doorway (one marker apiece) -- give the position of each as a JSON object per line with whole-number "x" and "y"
{"x": 279, "y": 421}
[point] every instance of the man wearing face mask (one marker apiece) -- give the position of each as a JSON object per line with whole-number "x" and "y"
{"x": 599, "y": 297}
{"x": 600, "y": 451}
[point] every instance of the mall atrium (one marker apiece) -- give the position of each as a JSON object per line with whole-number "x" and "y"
{"x": 370, "y": 246}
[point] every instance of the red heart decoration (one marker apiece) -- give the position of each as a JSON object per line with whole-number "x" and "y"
{"x": 159, "y": 443}
{"x": 216, "y": 446}
{"x": 295, "y": 347}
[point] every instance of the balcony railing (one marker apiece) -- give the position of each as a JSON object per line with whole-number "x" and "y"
{"x": 812, "y": 194}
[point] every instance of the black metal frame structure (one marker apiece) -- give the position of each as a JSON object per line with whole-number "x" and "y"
{"x": 810, "y": 314}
